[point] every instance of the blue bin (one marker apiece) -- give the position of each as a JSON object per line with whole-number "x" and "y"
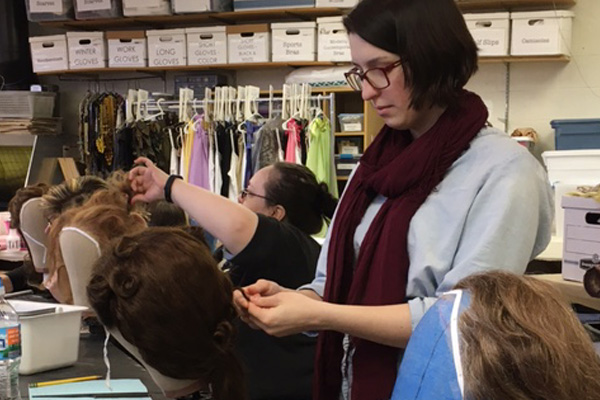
{"x": 576, "y": 134}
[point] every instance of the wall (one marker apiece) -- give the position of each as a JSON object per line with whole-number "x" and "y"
{"x": 539, "y": 91}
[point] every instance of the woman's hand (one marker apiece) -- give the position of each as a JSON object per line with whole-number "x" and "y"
{"x": 284, "y": 313}
{"x": 147, "y": 181}
{"x": 241, "y": 297}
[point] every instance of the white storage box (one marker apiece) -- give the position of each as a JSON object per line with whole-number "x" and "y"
{"x": 336, "y": 3}
{"x": 248, "y": 43}
{"x": 49, "y": 335}
{"x": 581, "y": 248}
{"x": 49, "y": 10}
{"x": 136, "y": 8}
{"x": 206, "y": 46}
{"x": 49, "y": 53}
{"x": 245, "y": 5}
{"x": 490, "y": 32}
{"x": 333, "y": 40}
{"x": 86, "y": 50}
{"x": 166, "y": 48}
{"x": 541, "y": 33}
{"x": 127, "y": 49}
{"x": 98, "y": 9}
{"x": 294, "y": 41}
{"x": 193, "y": 6}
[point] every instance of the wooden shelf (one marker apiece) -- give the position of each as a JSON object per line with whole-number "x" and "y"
{"x": 343, "y": 134}
{"x": 523, "y": 59}
{"x": 511, "y": 5}
{"x": 183, "y": 68}
{"x": 288, "y": 14}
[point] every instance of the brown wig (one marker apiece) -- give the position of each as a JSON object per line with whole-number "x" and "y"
{"x": 431, "y": 38}
{"x": 163, "y": 291}
{"x": 107, "y": 214}
{"x": 21, "y": 196}
{"x": 71, "y": 193}
{"x": 306, "y": 201}
{"x": 520, "y": 341}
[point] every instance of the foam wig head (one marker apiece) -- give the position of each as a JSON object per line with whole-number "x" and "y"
{"x": 162, "y": 290}
{"x": 499, "y": 336}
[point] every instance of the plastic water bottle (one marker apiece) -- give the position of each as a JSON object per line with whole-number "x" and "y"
{"x": 10, "y": 349}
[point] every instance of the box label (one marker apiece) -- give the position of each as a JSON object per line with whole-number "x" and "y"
{"x": 49, "y": 59}
{"x": 10, "y": 342}
{"x": 206, "y": 52}
{"x": 128, "y": 54}
{"x": 87, "y": 56}
{"x": 540, "y": 38}
{"x": 93, "y": 5}
{"x": 248, "y": 49}
{"x": 490, "y": 41}
{"x": 46, "y": 6}
{"x": 141, "y": 3}
{"x": 167, "y": 54}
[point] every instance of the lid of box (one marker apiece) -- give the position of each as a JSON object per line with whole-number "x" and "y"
{"x": 48, "y": 38}
{"x": 85, "y": 35}
{"x": 248, "y": 28}
{"x": 557, "y": 122}
{"x": 570, "y": 153}
{"x": 298, "y": 25}
{"x": 126, "y": 35}
{"x": 543, "y": 14}
{"x": 165, "y": 32}
{"x": 486, "y": 16}
{"x": 207, "y": 29}
{"x": 580, "y": 202}
{"x": 329, "y": 20}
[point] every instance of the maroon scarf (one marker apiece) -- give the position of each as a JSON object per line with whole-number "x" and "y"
{"x": 404, "y": 171}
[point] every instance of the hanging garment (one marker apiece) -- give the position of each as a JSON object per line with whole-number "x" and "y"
{"x": 223, "y": 152}
{"x": 293, "y": 149}
{"x": 233, "y": 174}
{"x": 251, "y": 129}
{"x": 267, "y": 148}
{"x": 318, "y": 159}
{"x": 198, "y": 172}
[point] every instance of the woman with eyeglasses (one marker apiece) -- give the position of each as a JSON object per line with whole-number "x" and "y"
{"x": 266, "y": 235}
{"x": 437, "y": 196}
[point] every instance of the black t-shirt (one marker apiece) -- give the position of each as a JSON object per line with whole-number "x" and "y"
{"x": 276, "y": 368}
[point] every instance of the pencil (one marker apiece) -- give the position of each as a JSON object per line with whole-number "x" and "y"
{"x": 61, "y": 381}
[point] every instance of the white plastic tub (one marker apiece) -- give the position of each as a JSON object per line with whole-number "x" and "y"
{"x": 50, "y": 339}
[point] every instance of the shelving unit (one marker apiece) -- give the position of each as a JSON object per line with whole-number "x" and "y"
{"x": 511, "y": 5}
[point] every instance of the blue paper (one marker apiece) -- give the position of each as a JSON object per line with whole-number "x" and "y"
{"x": 90, "y": 387}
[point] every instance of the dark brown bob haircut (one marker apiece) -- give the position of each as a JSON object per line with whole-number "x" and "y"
{"x": 438, "y": 53}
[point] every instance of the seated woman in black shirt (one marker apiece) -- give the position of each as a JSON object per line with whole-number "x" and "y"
{"x": 266, "y": 236}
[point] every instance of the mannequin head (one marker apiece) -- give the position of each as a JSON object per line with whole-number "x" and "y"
{"x": 20, "y": 197}
{"x": 162, "y": 290}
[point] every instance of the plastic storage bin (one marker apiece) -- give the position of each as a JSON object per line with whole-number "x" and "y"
{"x": 333, "y": 40}
{"x": 351, "y": 122}
{"x": 25, "y": 104}
{"x": 85, "y": 9}
{"x": 194, "y": 6}
{"x": 49, "y": 335}
{"x": 345, "y": 163}
{"x": 294, "y": 41}
{"x": 490, "y": 32}
{"x": 49, "y": 53}
{"x": 541, "y": 33}
{"x": 137, "y": 8}
{"x": 207, "y": 45}
{"x": 576, "y": 134}
{"x": 49, "y": 10}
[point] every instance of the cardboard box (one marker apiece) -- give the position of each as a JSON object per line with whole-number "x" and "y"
{"x": 49, "y": 10}
{"x": 541, "y": 33}
{"x": 86, "y": 50}
{"x": 98, "y": 9}
{"x": 193, "y": 6}
{"x": 333, "y": 40}
{"x": 248, "y": 43}
{"x": 244, "y": 5}
{"x": 581, "y": 243}
{"x": 49, "y": 53}
{"x": 490, "y": 32}
{"x": 127, "y": 49}
{"x": 206, "y": 46}
{"x": 166, "y": 48}
{"x": 136, "y": 8}
{"x": 336, "y": 3}
{"x": 49, "y": 335}
{"x": 345, "y": 163}
{"x": 294, "y": 41}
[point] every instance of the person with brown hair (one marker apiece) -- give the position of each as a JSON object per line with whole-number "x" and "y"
{"x": 70, "y": 193}
{"x": 175, "y": 307}
{"x": 438, "y": 195}
{"x": 499, "y": 336}
{"x": 265, "y": 236}
{"x": 107, "y": 214}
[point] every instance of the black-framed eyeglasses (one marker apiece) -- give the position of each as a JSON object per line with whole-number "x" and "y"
{"x": 377, "y": 77}
{"x": 245, "y": 193}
